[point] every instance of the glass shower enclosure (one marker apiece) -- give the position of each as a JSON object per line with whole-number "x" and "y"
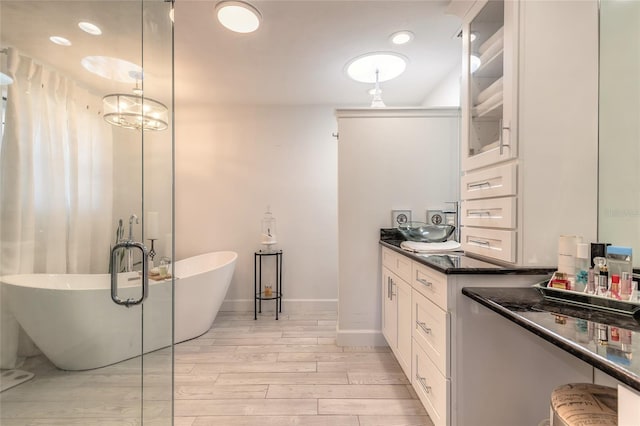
{"x": 86, "y": 212}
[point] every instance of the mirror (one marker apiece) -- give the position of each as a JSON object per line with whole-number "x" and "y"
{"x": 619, "y": 125}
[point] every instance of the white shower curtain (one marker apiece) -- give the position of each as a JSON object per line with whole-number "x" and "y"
{"x": 55, "y": 181}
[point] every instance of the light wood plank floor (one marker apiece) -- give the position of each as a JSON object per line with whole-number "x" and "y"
{"x": 242, "y": 372}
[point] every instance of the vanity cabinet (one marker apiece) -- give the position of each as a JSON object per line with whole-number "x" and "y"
{"x": 425, "y": 322}
{"x": 529, "y": 127}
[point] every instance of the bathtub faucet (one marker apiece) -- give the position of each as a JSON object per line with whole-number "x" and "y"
{"x": 130, "y": 264}
{"x": 131, "y": 219}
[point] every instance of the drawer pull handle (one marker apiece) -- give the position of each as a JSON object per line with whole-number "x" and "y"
{"x": 480, "y": 213}
{"x": 424, "y": 282}
{"x": 479, "y": 184}
{"x": 424, "y": 327}
{"x": 481, "y": 242}
{"x": 423, "y": 383}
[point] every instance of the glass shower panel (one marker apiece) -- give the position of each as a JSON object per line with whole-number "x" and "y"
{"x": 86, "y": 212}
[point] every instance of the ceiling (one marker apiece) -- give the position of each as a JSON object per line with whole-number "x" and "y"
{"x": 297, "y": 56}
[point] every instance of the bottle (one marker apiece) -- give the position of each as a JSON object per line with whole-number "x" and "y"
{"x": 614, "y": 290}
{"x": 582, "y": 267}
{"x": 626, "y": 286}
{"x": 602, "y": 285}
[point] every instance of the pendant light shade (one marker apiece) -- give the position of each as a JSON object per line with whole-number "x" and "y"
{"x": 135, "y": 112}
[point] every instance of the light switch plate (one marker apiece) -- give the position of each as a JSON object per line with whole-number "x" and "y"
{"x": 435, "y": 217}
{"x": 398, "y": 217}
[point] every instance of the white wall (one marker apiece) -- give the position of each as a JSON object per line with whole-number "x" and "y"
{"x": 447, "y": 92}
{"x": 388, "y": 159}
{"x": 233, "y": 162}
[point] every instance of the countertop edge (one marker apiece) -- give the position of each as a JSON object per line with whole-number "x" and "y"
{"x": 559, "y": 341}
{"x": 499, "y": 269}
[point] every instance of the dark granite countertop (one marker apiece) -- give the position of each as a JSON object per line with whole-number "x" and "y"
{"x": 608, "y": 341}
{"x": 456, "y": 262}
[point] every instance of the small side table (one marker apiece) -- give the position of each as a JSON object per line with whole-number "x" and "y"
{"x": 257, "y": 281}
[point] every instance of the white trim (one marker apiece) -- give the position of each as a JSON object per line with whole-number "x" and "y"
{"x": 360, "y": 338}
{"x": 398, "y": 112}
{"x": 288, "y": 305}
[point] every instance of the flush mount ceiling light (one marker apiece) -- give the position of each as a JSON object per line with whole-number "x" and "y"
{"x": 60, "y": 40}
{"x": 90, "y": 28}
{"x": 238, "y": 16}
{"x": 115, "y": 69}
{"x": 377, "y": 66}
{"x": 401, "y": 37}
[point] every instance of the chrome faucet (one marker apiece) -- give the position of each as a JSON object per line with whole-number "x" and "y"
{"x": 452, "y": 217}
{"x": 131, "y": 219}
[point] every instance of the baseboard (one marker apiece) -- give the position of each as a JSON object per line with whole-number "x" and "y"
{"x": 360, "y": 338}
{"x": 288, "y": 305}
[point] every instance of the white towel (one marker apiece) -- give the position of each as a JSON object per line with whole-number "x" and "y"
{"x": 430, "y": 247}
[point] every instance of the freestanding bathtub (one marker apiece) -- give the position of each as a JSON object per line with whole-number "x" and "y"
{"x": 74, "y": 322}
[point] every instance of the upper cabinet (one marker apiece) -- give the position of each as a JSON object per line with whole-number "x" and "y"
{"x": 487, "y": 81}
{"x": 529, "y": 153}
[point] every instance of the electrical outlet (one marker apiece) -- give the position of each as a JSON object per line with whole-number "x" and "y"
{"x": 399, "y": 217}
{"x": 435, "y": 217}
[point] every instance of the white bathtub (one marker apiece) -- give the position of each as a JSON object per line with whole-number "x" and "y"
{"x": 74, "y": 322}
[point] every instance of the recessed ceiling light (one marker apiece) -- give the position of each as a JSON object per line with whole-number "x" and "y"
{"x": 5, "y": 80}
{"x": 60, "y": 40}
{"x": 401, "y": 37}
{"x": 111, "y": 68}
{"x": 238, "y": 16}
{"x": 388, "y": 66}
{"x": 90, "y": 28}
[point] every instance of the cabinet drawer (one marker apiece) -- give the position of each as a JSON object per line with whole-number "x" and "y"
{"x": 491, "y": 213}
{"x": 432, "y": 388}
{"x": 431, "y": 284}
{"x": 497, "y": 181}
{"x": 494, "y": 243}
{"x": 397, "y": 263}
{"x": 431, "y": 330}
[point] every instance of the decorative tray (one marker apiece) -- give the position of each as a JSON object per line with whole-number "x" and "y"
{"x": 589, "y": 300}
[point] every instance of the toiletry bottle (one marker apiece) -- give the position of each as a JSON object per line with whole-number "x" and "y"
{"x": 626, "y": 286}
{"x": 591, "y": 282}
{"x": 582, "y": 267}
{"x": 602, "y": 285}
{"x": 614, "y": 289}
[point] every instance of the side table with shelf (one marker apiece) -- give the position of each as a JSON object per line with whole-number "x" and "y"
{"x": 257, "y": 281}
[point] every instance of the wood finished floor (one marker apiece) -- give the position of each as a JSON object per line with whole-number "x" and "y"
{"x": 242, "y": 372}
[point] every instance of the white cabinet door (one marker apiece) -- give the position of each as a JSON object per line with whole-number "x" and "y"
{"x": 389, "y": 310}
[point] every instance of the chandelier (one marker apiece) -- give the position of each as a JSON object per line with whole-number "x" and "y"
{"x": 135, "y": 112}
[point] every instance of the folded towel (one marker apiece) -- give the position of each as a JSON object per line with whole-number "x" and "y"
{"x": 430, "y": 247}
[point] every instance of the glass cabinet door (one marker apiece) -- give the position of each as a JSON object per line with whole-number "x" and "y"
{"x": 487, "y": 82}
